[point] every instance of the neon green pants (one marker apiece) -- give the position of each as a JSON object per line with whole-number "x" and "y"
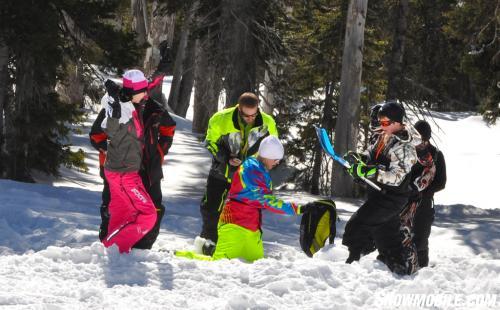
{"x": 234, "y": 242}
{"x": 238, "y": 242}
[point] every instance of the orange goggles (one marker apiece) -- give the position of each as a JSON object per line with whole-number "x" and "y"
{"x": 385, "y": 123}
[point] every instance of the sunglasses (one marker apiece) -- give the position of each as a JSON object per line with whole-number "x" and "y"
{"x": 385, "y": 123}
{"x": 248, "y": 115}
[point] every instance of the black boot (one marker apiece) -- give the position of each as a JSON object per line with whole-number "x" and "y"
{"x": 208, "y": 248}
{"x": 353, "y": 256}
{"x": 381, "y": 258}
{"x": 103, "y": 229}
{"x": 423, "y": 258}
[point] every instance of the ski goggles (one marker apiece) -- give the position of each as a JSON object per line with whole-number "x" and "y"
{"x": 385, "y": 123}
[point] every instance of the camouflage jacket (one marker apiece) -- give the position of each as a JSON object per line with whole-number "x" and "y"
{"x": 394, "y": 159}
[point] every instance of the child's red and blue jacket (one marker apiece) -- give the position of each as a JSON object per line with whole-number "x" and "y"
{"x": 251, "y": 191}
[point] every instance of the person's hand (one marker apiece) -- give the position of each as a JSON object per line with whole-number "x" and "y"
{"x": 235, "y": 162}
{"x": 353, "y": 158}
{"x": 362, "y": 170}
{"x": 113, "y": 98}
{"x": 306, "y": 207}
{"x": 116, "y": 107}
{"x": 112, "y": 89}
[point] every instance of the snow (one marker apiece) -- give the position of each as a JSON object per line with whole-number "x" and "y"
{"x": 50, "y": 257}
{"x": 471, "y": 149}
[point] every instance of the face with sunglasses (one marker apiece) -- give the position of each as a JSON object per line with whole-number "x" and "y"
{"x": 389, "y": 127}
{"x": 248, "y": 114}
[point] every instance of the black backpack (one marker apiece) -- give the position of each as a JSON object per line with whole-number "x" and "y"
{"x": 318, "y": 225}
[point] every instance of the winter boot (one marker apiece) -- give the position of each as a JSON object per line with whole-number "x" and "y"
{"x": 103, "y": 229}
{"x": 203, "y": 246}
{"x": 354, "y": 255}
{"x": 381, "y": 258}
{"x": 208, "y": 248}
{"x": 423, "y": 258}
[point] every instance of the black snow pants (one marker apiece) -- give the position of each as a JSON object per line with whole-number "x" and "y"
{"x": 211, "y": 206}
{"x": 424, "y": 217}
{"x": 106, "y": 197}
{"x": 378, "y": 224}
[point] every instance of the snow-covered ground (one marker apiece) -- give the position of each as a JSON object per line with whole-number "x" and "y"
{"x": 50, "y": 257}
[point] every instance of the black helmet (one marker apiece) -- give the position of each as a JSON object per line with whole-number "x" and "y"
{"x": 374, "y": 124}
{"x": 393, "y": 110}
{"x": 424, "y": 129}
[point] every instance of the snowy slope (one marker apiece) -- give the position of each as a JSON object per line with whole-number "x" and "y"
{"x": 471, "y": 149}
{"x": 49, "y": 257}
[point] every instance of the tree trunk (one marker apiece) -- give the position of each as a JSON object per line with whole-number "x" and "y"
{"x": 140, "y": 22}
{"x": 326, "y": 122}
{"x": 395, "y": 65}
{"x": 72, "y": 88}
{"x": 173, "y": 98}
{"x": 160, "y": 30}
{"x": 17, "y": 136}
{"x": 346, "y": 129}
{"x": 4, "y": 60}
{"x": 187, "y": 79}
{"x": 239, "y": 46}
{"x": 208, "y": 85}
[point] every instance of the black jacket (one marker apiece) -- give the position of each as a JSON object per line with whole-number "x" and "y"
{"x": 439, "y": 181}
{"x": 159, "y": 130}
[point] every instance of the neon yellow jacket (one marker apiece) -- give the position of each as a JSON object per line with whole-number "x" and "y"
{"x": 226, "y": 139}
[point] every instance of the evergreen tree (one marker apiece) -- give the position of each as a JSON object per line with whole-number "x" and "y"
{"x": 41, "y": 37}
{"x": 475, "y": 25}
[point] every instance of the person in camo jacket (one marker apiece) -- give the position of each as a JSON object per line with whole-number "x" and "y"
{"x": 388, "y": 162}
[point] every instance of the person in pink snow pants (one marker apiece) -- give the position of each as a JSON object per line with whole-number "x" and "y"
{"x": 132, "y": 211}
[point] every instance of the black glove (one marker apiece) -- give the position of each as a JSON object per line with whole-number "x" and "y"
{"x": 114, "y": 100}
{"x": 112, "y": 89}
{"x": 306, "y": 208}
{"x": 116, "y": 108}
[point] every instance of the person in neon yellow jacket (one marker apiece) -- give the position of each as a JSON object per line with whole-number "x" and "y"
{"x": 233, "y": 135}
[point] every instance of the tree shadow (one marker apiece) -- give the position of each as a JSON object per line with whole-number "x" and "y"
{"x": 136, "y": 269}
{"x": 37, "y": 216}
{"x": 124, "y": 270}
{"x": 479, "y": 229}
{"x": 450, "y": 116}
{"x": 166, "y": 275}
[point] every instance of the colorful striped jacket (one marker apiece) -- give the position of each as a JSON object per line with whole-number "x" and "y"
{"x": 251, "y": 191}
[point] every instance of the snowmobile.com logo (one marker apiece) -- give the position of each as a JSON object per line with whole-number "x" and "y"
{"x": 441, "y": 301}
